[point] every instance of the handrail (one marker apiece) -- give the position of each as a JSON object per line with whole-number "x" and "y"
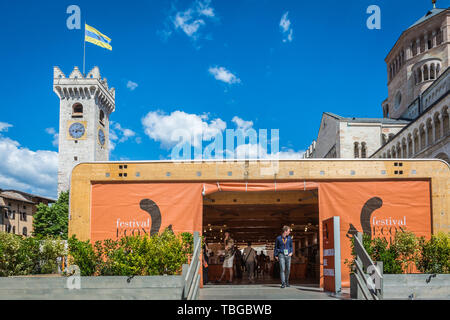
{"x": 191, "y": 273}
{"x": 363, "y": 263}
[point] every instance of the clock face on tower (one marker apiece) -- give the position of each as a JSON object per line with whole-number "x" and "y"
{"x": 101, "y": 137}
{"x": 76, "y": 130}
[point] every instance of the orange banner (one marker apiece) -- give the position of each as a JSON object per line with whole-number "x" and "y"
{"x": 145, "y": 208}
{"x": 379, "y": 209}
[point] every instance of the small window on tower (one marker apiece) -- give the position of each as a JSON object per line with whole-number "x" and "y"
{"x": 77, "y": 110}
{"x": 102, "y": 116}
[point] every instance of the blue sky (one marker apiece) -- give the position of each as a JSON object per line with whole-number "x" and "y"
{"x": 266, "y": 64}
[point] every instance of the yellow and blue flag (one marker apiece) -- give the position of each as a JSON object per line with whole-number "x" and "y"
{"x": 94, "y": 36}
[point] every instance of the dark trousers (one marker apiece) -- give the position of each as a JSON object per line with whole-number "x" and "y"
{"x": 205, "y": 275}
{"x": 250, "y": 266}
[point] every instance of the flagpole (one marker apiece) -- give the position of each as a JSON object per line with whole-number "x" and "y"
{"x": 84, "y": 50}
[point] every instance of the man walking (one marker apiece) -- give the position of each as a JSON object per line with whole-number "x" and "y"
{"x": 249, "y": 261}
{"x": 283, "y": 253}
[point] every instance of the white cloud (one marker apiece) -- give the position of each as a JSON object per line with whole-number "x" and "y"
{"x": 286, "y": 28}
{"x": 52, "y": 132}
{"x": 4, "y": 126}
{"x": 170, "y": 129}
{"x": 242, "y": 124}
{"x": 27, "y": 170}
{"x": 118, "y": 134}
{"x": 191, "y": 20}
{"x": 184, "y": 21}
{"x": 204, "y": 8}
{"x": 222, "y": 74}
{"x": 132, "y": 85}
{"x": 167, "y": 129}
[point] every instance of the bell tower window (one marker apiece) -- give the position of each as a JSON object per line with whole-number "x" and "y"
{"x": 77, "y": 110}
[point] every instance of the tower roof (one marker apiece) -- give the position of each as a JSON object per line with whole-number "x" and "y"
{"x": 429, "y": 15}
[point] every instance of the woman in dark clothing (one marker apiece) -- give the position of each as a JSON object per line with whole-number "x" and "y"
{"x": 205, "y": 263}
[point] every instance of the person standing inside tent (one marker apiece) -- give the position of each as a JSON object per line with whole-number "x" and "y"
{"x": 249, "y": 257}
{"x": 229, "y": 257}
{"x": 283, "y": 253}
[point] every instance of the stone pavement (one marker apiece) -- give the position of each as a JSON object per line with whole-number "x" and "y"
{"x": 265, "y": 292}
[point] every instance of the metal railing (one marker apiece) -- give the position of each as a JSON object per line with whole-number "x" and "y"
{"x": 191, "y": 273}
{"x": 368, "y": 275}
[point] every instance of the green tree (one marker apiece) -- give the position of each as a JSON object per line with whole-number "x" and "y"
{"x": 52, "y": 221}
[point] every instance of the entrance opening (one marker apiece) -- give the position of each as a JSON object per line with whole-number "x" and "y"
{"x": 258, "y": 217}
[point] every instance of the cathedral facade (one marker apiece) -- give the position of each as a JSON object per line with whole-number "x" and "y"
{"x": 415, "y": 121}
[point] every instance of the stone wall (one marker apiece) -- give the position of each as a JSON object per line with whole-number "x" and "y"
{"x": 92, "y": 288}
{"x": 416, "y": 286}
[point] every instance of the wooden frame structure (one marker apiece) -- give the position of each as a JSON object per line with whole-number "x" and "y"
{"x": 86, "y": 174}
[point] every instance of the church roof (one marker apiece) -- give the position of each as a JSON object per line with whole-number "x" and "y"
{"x": 367, "y": 120}
{"x": 429, "y": 15}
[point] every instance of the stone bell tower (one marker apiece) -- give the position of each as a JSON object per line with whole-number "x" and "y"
{"x": 85, "y": 106}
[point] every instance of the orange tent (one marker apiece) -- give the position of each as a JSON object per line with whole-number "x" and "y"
{"x": 380, "y": 208}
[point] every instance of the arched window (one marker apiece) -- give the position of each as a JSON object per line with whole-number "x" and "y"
{"x": 429, "y": 132}
{"x": 414, "y": 48}
{"x": 432, "y": 72}
{"x": 404, "y": 149}
{"x": 416, "y": 141}
{"x": 363, "y": 150}
{"x": 101, "y": 116}
{"x": 425, "y": 73}
{"x": 445, "y": 122}
{"x": 24, "y": 231}
{"x": 422, "y": 137}
{"x": 398, "y": 100}
{"x": 437, "y": 127}
{"x": 356, "y": 150}
{"x": 439, "y": 37}
{"x": 410, "y": 146}
{"x": 77, "y": 110}
{"x": 422, "y": 44}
